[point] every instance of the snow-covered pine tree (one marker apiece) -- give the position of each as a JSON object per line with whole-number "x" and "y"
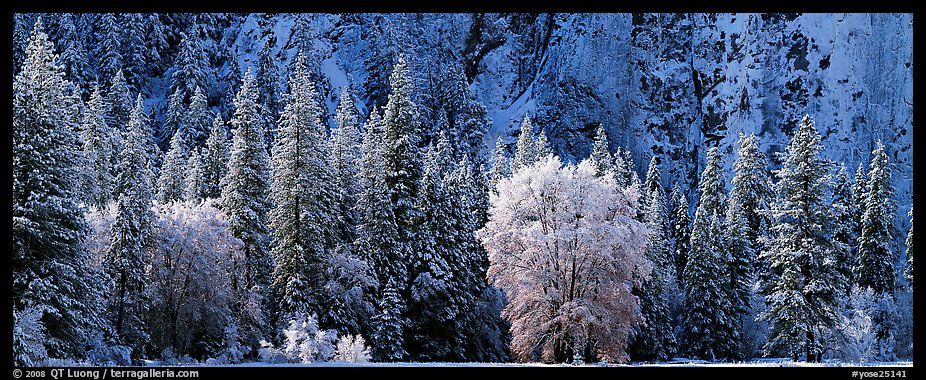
{"x": 623, "y": 169}
{"x": 875, "y": 265}
{"x": 542, "y": 146}
{"x": 524, "y": 153}
{"x": 191, "y": 65}
{"x": 155, "y": 43}
{"x": 215, "y": 159}
{"x": 98, "y": 152}
{"x": 433, "y": 300}
{"x": 601, "y": 153}
{"x": 53, "y": 274}
{"x": 73, "y": 50}
{"x": 29, "y": 337}
{"x": 108, "y": 46}
{"x": 400, "y": 159}
{"x": 652, "y": 183}
{"x": 127, "y": 257}
{"x": 303, "y": 197}
{"x": 344, "y": 158}
{"x": 500, "y": 166}
{"x": 844, "y": 211}
{"x": 133, "y": 47}
{"x": 22, "y": 25}
{"x": 231, "y": 84}
{"x": 379, "y": 36}
{"x": 174, "y": 119}
{"x": 477, "y": 332}
{"x": 467, "y": 116}
{"x": 268, "y": 88}
{"x": 195, "y": 185}
{"x": 749, "y": 193}
{"x": 118, "y": 106}
{"x": 173, "y": 171}
{"x": 198, "y": 119}
{"x": 802, "y": 297}
{"x": 751, "y": 188}
{"x": 388, "y": 341}
{"x": 377, "y": 230}
{"x": 709, "y": 324}
{"x": 680, "y": 233}
{"x": 655, "y": 341}
{"x": 244, "y": 196}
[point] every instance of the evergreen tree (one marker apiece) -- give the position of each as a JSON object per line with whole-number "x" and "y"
{"x": 244, "y": 197}
{"x": 174, "y": 119}
{"x": 467, "y": 117}
{"x": 652, "y": 183}
{"x": 231, "y": 85}
{"x": 875, "y": 265}
{"x": 108, "y": 46}
{"x": 377, "y": 231}
{"x": 195, "y": 189}
{"x": 434, "y": 301}
{"x": 681, "y": 233}
{"x": 22, "y": 25}
{"x": 601, "y": 153}
{"x": 190, "y": 65}
{"x": 268, "y": 87}
{"x": 480, "y": 333}
{"x": 98, "y": 152}
{"x": 53, "y": 274}
{"x": 655, "y": 340}
{"x": 303, "y": 195}
{"x": 525, "y": 153}
{"x": 400, "y": 158}
{"x": 751, "y": 189}
{"x": 623, "y": 169}
{"x": 844, "y": 209}
{"x": 73, "y": 50}
{"x": 709, "y": 326}
{"x": 127, "y": 257}
{"x": 379, "y": 36}
{"x": 500, "y": 166}
{"x": 542, "y": 146}
{"x": 388, "y": 341}
{"x": 133, "y": 47}
{"x": 155, "y": 43}
{"x": 173, "y": 171}
{"x": 801, "y": 299}
{"x": 118, "y": 106}
{"x": 344, "y": 158}
{"x": 198, "y": 119}
{"x": 215, "y": 159}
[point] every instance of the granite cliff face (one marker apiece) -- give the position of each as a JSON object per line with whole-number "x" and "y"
{"x": 669, "y": 85}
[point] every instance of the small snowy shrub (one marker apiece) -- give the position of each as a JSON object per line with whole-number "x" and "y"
{"x": 352, "y": 349}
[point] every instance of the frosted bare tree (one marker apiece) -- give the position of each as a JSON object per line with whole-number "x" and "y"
{"x": 564, "y": 247}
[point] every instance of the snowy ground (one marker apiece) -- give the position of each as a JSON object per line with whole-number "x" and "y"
{"x": 678, "y": 362}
